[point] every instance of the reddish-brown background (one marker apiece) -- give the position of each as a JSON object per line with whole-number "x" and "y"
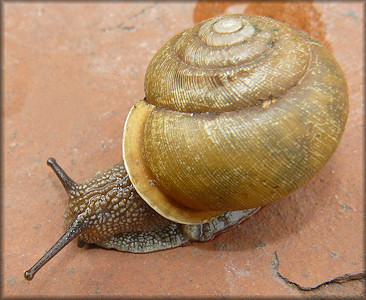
{"x": 72, "y": 71}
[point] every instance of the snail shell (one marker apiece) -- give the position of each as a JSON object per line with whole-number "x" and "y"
{"x": 239, "y": 111}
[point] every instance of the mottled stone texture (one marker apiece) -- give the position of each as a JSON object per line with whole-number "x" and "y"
{"x": 71, "y": 74}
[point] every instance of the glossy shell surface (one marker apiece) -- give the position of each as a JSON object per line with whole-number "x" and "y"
{"x": 239, "y": 111}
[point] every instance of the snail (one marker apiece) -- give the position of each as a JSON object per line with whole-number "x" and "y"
{"x": 239, "y": 111}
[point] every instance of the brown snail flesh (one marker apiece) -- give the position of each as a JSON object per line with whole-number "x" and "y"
{"x": 239, "y": 111}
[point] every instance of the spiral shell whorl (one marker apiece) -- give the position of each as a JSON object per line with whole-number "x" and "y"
{"x": 233, "y": 126}
{"x": 222, "y": 65}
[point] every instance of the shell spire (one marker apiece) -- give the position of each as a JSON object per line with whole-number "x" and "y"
{"x": 239, "y": 111}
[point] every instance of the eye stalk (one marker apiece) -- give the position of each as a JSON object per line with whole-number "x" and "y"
{"x": 75, "y": 229}
{"x": 66, "y": 181}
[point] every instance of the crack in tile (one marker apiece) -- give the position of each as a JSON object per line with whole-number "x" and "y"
{"x": 122, "y": 26}
{"x": 141, "y": 12}
{"x": 339, "y": 279}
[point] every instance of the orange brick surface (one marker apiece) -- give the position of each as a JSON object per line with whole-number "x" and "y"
{"x": 71, "y": 74}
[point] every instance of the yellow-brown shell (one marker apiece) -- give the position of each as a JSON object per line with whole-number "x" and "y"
{"x": 239, "y": 111}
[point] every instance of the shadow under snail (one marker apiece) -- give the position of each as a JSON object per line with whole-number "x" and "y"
{"x": 239, "y": 111}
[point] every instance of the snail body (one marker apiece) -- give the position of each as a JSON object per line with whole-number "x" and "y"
{"x": 239, "y": 112}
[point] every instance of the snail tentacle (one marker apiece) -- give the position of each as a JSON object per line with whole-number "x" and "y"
{"x": 66, "y": 181}
{"x": 75, "y": 229}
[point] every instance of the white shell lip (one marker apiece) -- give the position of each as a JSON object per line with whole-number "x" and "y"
{"x": 141, "y": 179}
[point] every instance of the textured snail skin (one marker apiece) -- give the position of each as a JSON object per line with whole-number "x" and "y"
{"x": 239, "y": 111}
{"x": 116, "y": 217}
{"x": 107, "y": 211}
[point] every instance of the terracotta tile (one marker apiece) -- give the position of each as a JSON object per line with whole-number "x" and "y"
{"x": 72, "y": 72}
